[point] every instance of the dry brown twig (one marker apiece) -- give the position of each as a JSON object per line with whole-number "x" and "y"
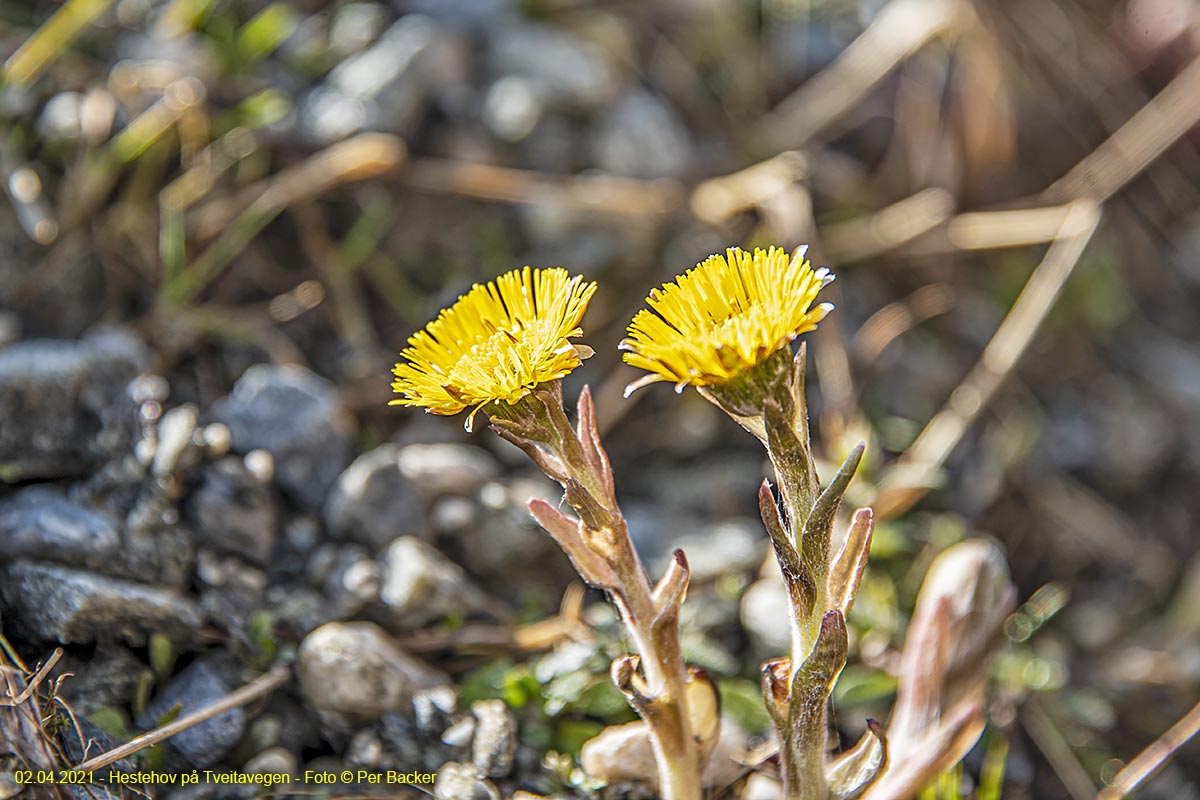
{"x": 1136, "y": 144}
{"x": 939, "y": 712}
{"x": 910, "y": 478}
{"x": 592, "y": 193}
{"x": 1057, "y": 750}
{"x": 889, "y": 228}
{"x": 717, "y": 200}
{"x": 361, "y": 157}
{"x": 1154, "y": 757}
{"x": 259, "y": 687}
{"x": 900, "y": 29}
{"x": 21, "y": 730}
{"x": 894, "y": 319}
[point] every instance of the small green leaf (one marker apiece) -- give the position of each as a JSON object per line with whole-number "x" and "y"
{"x": 742, "y": 700}
{"x": 162, "y": 656}
{"x": 112, "y": 721}
{"x": 270, "y": 28}
{"x": 571, "y": 734}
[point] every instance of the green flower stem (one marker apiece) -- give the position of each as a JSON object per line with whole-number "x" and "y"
{"x": 769, "y": 401}
{"x": 574, "y": 457}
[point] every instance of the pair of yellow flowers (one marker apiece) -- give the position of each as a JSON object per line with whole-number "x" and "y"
{"x": 501, "y": 339}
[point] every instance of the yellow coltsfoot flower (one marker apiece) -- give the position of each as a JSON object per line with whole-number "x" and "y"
{"x": 724, "y": 317}
{"x": 498, "y": 342}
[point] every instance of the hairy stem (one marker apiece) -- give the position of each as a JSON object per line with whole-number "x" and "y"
{"x": 578, "y": 462}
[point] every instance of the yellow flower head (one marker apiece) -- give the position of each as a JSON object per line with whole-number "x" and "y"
{"x": 724, "y": 317}
{"x": 497, "y": 342}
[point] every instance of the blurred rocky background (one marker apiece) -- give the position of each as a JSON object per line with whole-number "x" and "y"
{"x": 223, "y": 219}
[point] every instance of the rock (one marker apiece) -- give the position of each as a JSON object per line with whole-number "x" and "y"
{"x": 107, "y": 678}
{"x": 94, "y": 742}
{"x": 421, "y": 585}
{"x": 764, "y": 615}
{"x": 233, "y": 512}
{"x": 447, "y": 469}
{"x": 353, "y": 672}
{"x": 272, "y": 761}
{"x": 622, "y": 753}
{"x": 354, "y": 26}
{"x": 61, "y": 117}
{"x": 453, "y": 515}
{"x": 155, "y": 548}
{"x": 366, "y": 750}
{"x": 372, "y": 502}
{"x": 567, "y": 657}
{"x": 69, "y": 605}
{"x": 69, "y": 397}
{"x": 729, "y": 547}
{"x": 512, "y": 108}
{"x": 347, "y": 576}
{"x": 39, "y": 522}
{"x": 296, "y": 416}
{"x": 475, "y": 14}
{"x": 298, "y": 610}
{"x": 458, "y": 781}
{"x": 433, "y": 707}
{"x": 503, "y": 548}
{"x": 411, "y": 746}
{"x": 10, "y": 328}
{"x": 495, "y": 742}
{"x": 327, "y": 115}
{"x": 641, "y": 137}
{"x": 761, "y": 786}
{"x": 231, "y": 590}
{"x": 178, "y": 448}
{"x": 565, "y": 72}
{"x": 301, "y": 535}
{"x": 387, "y": 86}
{"x": 213, "y": 791}
{"x": 460, "y": 733}
{"x": 195, "y": 688}
{"x": 619, "y": 753}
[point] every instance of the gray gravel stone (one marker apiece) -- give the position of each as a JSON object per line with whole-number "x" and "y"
{"x": 108, "y": 677}
{"x": 458, "y": 781}
{"x": 619, "y": 753}
{"x": 230, "y": 590}
{"x": 39, "y": 522}
{"x": 454, "y": 469}
{"x": 354, "y": 26}
{"x": 372, "y": 502}
{"x": 61, "y": 117}
{"x": 622, "y": 753}
{"x": 198, "y": 686}
{"x": 512, "y": 108}
{"x": 352, "y": 582}
{"x": 272, "y": 761}
{"x": 69, "y": 605}
{"x": 62, "y": 403}
{"x": 410, "y": 747}
{"x": 233, "y": 512}
{"x": 764, "y": 613}
{"x": 566, "y": 72}
{"x": 731, "y": 546}
{"x": 353, "y": 672}
{"x": 421, "y": 585}
{"x": 95, "y": 740}
{"x": 495, "y": 742}
{"x": 296, "y": 416}
{"x": 641, "y": 137}
{"x": 384, "y": 87}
